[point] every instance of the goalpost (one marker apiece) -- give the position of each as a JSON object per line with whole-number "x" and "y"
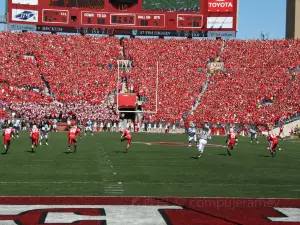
{"x": 128, "y": 64}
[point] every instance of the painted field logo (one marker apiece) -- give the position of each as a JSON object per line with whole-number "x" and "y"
{"x": 83, "y": 214}
{"x": 147, "y": 210}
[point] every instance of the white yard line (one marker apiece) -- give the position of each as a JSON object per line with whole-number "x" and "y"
{"x": 110, "y": 188}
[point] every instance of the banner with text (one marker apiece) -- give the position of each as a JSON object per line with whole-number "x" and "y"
{"x": 16, "y": 27}
{"x": 26, "y": 2}
{"x": 219, "y": 22}
{"x": 24, "y": 15}
{"x": 220, "y": 5}
{"x": 216, "y": 65}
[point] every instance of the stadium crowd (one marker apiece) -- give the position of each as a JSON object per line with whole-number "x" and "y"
{"x": 81, "y": 74}
{"x": 78, "y": 70}
{"x": 254, "y": 70}
{"x": 180, "y": 72}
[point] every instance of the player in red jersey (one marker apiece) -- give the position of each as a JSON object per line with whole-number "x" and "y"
{"x": 126, "y": 135}
{"x": 273, "y": 143}
{"x": 72, "y": 137}
{"x": 230, "y": 141}
{"x": 35, "y": 136}
{"x": 8, "y": 133}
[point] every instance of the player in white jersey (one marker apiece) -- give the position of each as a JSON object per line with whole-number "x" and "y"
{"x": 204, "y": 134}
{"x": 253, "y": 134}
{"x": 44, "y": 133}
{"x": 192, "y": 134}
{"x": 17, "y": 125}
{"x": 89, "y": 127}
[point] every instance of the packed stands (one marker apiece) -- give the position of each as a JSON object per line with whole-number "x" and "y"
{"x": 78, "y": 70}
{"x": 255, "y": 70}
{"x": 181, "y": 73}
{"x": 83, "y": 110}
{"x": 52, "y": 74}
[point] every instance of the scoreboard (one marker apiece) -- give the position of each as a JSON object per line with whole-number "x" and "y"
{"x": 189, "y": 21}
{"x": 123, "y": 19}
{"x": 55, "y": 16}
{"x": 88, "y": 16}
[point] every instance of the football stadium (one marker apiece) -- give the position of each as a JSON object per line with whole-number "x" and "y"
{"x": 149, "y": 112}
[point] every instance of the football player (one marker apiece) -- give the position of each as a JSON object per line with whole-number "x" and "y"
{"x": 8, "y": 133}
{"x": 192, "y": 134}
{"x": 73, "y": 132}
{"x": 34, "y": 135}
{"x": 253, "y": 134}
{"x": 17, "y": 125}
{"x": 89, "y": 128}
{"x": 230, "y": 141}
{"x": 126, "y": 135}
{"x": 273, "y": 143}
{"x": 232, "y": 126}
{"x": 204, "y": 134}
{"x": 44, "y": 133}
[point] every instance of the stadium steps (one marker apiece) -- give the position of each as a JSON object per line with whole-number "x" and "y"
{"x": 204, "y": 87}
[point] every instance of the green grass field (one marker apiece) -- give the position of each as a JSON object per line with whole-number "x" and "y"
{"x": 101, "y": 168}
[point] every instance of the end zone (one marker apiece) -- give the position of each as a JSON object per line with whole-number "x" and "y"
{"x": 148, "y": 210}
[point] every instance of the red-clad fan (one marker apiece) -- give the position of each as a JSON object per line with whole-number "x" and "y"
{"x": 35, "y": 136}
{"x": 8, "y": 133}
{"x": 273, "y": 143}
{"x": 231, "y": 140}
{"x": 126, "y": 135}
{"x": 246, "y": 130}
{"x": 73, "y": 132}
{"x": 281, "y": 135}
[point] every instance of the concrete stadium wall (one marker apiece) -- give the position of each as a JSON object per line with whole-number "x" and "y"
{"x": 293, "y": 19}
{"x": 287, "y": 128}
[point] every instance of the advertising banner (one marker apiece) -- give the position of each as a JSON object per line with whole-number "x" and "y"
{"x": 126, "y": 101}
{"x": 195, "y": 34}
{"x": 222, "y": 34}
{"x": 26, "y": 2}
{"x": 216, "y": 65}
{"x": 219, "y": 22}
{"x": 16, "y": 27}
{"x": 24, "y": 15}
{"x": 220, "y": 5}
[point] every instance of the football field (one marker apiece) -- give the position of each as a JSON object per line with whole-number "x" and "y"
{"x": 156, "y": 165}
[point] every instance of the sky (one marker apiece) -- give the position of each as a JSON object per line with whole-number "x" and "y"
{"x": 255, "y": 16}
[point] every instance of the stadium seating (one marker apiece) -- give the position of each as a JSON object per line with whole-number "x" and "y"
{"x": 76, "y": 68}
{"x": 80, "y": 72}
{"x": 180, "y": 72}
{"x": 255, "y": 70}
